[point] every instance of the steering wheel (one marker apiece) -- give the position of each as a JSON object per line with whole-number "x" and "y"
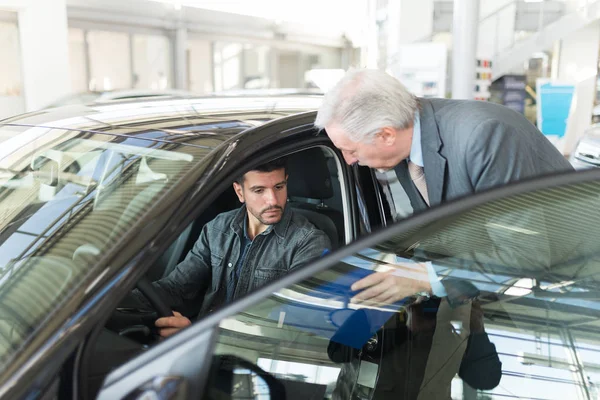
{"x": 162, "y": 309}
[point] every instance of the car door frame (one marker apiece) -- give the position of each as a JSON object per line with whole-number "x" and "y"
{"x": 204, "y": 333}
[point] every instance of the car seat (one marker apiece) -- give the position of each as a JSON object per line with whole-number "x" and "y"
{"x": 309, "y": 185}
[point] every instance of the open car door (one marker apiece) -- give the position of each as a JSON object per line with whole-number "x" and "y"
{"x": 512, "y": 309}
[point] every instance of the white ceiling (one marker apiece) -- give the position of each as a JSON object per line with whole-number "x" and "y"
{"x": 326, "y": 16}
{"x": 316, "y": 22}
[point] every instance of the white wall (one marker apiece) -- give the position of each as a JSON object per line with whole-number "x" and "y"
{"x": 416, "y": 20}
{"x": 408, "y": 21}
{"x": 496, "y": 27}
{"x": 289, "y": 70}
{"x": 44, "y": 48}
{"x": 578, "y": 64}
{"x": 11, "y": 105}
{"x": 110, "y": 60}
{"x": 497, "y": 31}
{"x": 11, "y": 87}
{"x": 330, "y": 59}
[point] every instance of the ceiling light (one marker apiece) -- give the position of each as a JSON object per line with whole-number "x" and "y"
{"x": 521, "y": 288}
{"x": 557, "y": 285}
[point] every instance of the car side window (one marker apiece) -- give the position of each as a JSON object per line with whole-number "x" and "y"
{"x": 514, "y": 308}
{"x": 315, "y": 190}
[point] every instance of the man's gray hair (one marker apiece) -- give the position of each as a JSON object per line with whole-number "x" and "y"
{"x": 366, "y": 100}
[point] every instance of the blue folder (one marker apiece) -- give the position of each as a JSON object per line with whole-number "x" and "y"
{"x": 344, "y": 325}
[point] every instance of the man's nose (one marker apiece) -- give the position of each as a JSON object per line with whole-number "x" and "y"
{"x": 349, "y": 159}
{"x": 270, "y": 197}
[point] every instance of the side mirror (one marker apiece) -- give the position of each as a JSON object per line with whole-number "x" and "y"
{"x": 232, "y": 377}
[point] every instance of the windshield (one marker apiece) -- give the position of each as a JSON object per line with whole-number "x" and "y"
{"x": 66, "y": 198}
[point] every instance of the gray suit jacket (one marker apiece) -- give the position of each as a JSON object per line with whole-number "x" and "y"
{"x": 469, "y": 146}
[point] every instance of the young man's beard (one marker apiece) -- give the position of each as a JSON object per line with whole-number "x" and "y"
{"x": 272, "y": 208}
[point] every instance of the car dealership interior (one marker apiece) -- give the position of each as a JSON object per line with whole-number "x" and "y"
{"x": 125, "y": 126}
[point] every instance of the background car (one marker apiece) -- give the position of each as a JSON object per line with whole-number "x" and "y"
{"x": 97, "y": 200}
{"x": 114, "y": 95}
{"x": 587, "y": 150}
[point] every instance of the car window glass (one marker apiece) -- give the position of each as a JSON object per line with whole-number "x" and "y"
{"x": 64, "y": 201}
{"x": 515, "y": 312}
{"x": 316, "y": 190}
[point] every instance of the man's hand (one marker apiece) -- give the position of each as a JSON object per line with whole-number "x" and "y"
{"x": 171, "y": 325}
{"x": 381, "y": 288}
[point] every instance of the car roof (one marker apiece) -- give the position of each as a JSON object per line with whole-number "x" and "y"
{"x": 140, "y": 94}
{"x": 173, "y": 119}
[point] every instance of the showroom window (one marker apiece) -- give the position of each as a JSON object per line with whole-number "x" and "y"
{"x": 106, "y": 60}
{"x": 110, "y": 60}
{"x": 228, "y": 66}
{"x": 151, "y": 62}
{"x": 200, "y": 71}
{"x": 241, "y": 66}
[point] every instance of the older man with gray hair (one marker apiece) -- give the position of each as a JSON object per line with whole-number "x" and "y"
{"x": 440, "y": 150}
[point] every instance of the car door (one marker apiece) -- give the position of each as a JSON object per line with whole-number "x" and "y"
{"x": 515, "y": 311}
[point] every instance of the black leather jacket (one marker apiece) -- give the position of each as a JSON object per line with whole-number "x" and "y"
{"x": 289, "y": 244}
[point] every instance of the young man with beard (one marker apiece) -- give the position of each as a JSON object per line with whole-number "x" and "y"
{"x": 242, "y": 249}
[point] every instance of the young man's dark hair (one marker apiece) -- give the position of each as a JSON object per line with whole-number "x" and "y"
{"x": 272, "y": 165}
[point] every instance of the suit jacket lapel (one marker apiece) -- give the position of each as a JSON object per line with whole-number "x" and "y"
{"x": 431, "y": 143}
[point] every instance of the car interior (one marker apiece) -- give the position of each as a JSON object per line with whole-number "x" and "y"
{"x": 314, "y": 190}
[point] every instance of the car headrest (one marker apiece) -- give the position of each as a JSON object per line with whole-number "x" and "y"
{"x": 308, "y": 175}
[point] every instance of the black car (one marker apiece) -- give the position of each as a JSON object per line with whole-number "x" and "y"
{"x": 97, "y": 200}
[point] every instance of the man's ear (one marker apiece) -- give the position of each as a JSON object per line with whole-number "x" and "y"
{"x": 239, "y": 191}
{"x": 388, "y": 135}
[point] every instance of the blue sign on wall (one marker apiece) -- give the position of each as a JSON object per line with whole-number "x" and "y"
{"x": 553, "y": 106}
